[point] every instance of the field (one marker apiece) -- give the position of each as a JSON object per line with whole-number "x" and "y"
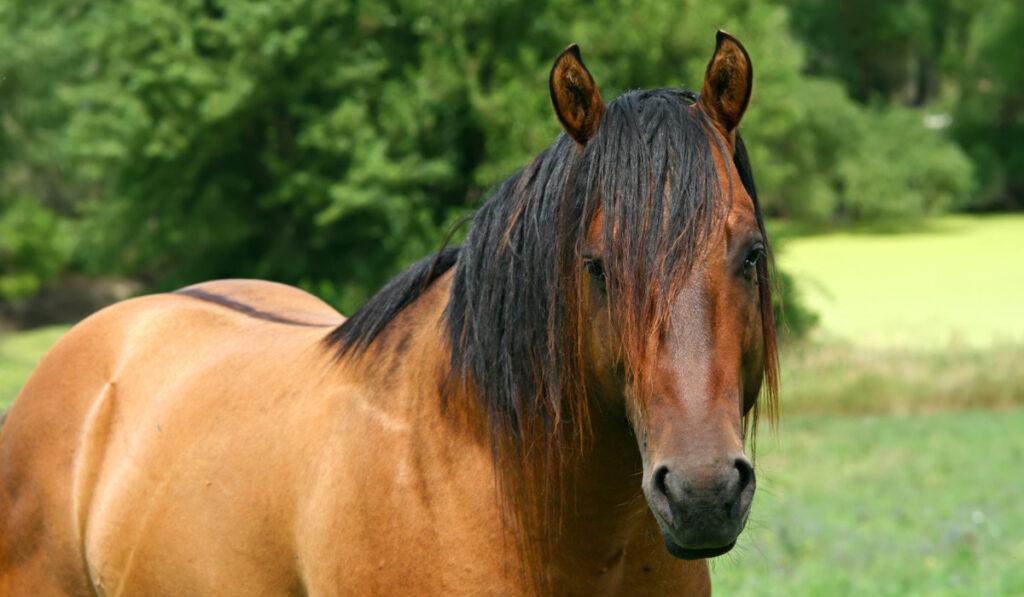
{"x": 885, "y": 505}
{"x": 19, "y": 354}
{"x": 894, "y": 469}
{"x": 956, "y": 282}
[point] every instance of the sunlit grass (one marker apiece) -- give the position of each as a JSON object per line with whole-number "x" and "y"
{"x": 911, "y": 489}
{"x": 959, "y": 280}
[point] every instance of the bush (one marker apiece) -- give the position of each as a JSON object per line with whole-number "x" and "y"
{"x": 330, "y": 144}
{"x": 35, "y": 246}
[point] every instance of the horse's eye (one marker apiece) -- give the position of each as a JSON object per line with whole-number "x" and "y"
{"x": 755, "y": 254}
{"x": 595, "y": 267}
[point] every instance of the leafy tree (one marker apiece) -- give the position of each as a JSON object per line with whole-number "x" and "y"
{"x": 329, "y": 144}
{"x": 958, "y": 58}
{"x": 989, "y": 118}
{"x": 37, "y": 235}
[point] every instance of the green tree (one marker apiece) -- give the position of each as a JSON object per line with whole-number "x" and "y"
{"x": 37, "y": 230}
{"x": 989, "y": 118}
{"x": 958, "y": 58}
{"x": 329, "y": 144}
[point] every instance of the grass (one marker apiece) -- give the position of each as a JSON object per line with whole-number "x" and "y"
{"x": 842, "y": 379}
{"x": 885, "y": 505}
{"x": 903, "y": 421}
{"x": 909, "y": 323}
{"x": 958, "y": 281}
{"x": 19, "y": 353}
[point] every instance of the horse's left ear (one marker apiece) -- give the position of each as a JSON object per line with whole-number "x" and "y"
{"x": 727, "y": 84}
{"x": 574, "y": 96}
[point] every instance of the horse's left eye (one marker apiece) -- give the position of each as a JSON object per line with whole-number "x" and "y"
{"x": 595, "y": 267}
{"x": 755, "y": 254}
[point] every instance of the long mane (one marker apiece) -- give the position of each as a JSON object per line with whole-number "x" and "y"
{"x": 512, "y": 320}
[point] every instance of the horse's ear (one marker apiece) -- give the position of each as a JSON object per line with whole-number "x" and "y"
{"x": 575, "y": 96}
{"x": 727, "y": 83}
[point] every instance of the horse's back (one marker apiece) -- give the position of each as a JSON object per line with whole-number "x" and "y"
{"x": 266, "y": 300}
{"x": 127, "y": 427}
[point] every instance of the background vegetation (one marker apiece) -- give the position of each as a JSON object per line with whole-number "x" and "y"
{"x": 328, "y": 144}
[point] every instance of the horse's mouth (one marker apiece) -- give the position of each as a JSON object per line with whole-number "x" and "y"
{"x": 696, "y": 553}
{"x": 710, "y": 543}
{"x": 686, "y": 553}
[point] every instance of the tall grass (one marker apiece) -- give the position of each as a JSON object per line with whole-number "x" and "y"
{"x": 840, "y": 379}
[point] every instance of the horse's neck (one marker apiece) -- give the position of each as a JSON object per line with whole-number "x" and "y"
{"x": 602, "y": 504}
{"x": 585, "y": 517}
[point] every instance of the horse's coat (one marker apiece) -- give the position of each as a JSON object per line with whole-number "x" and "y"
{"x": 483, "y": 426}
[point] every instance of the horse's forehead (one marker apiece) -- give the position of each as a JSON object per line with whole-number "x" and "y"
{"x": 742, "y": 216}
{"x": 595, "y": 226}
{"x": 741, "y": 219}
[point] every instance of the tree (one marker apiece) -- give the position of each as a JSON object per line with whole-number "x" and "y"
{"x": 329, "y": 144}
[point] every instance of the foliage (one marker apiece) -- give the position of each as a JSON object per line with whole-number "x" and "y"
{"x": 989, "y": 119}
{"x": 959, "y": 60}
{"x": 37, "y": 238}
{"x": 330, "y": 144}
{"x": 35, "y": 246}
{"x": 896, "y": 50}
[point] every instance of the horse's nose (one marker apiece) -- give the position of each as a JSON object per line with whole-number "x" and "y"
{"x": 723, "y": 493}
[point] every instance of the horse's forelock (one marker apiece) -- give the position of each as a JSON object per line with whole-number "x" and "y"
{"x": 659, "y": 207}
{"x": 513, "y": 318}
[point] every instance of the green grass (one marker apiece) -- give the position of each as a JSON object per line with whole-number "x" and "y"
{"x": 895, "y": 469}
{"x": 885, "y": 505}
{"x": 19, "y": 354}
{"x": 957, "y": 282}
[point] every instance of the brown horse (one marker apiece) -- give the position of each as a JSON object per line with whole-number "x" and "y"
{"x": 489, "y": 423}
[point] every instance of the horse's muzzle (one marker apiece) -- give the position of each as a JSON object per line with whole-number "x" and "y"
{"x": 700, "y": 512}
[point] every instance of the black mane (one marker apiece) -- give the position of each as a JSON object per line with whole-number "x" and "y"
{"x": 512, "y": 319}
{"x": 512, "y": 325}
{"x": 357, "y": 332}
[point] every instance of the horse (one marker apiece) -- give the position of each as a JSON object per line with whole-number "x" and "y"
{"x": 560, "y": 405}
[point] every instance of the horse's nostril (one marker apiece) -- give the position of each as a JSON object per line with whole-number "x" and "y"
{"x": 659, "y": 480}
{"x": 744, "y": 489}
{"x": 746, "y": 473}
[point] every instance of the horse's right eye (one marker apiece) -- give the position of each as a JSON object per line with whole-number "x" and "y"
{"x": 595, "y": 267}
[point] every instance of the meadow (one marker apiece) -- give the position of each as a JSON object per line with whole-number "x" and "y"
{"x": 19, "y": 353}
{"x": 955, "y": 282}
{"x": 885, "y": 504}
{"x": 892, "y": 471}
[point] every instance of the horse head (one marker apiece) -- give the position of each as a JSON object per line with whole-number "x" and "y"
{"x": 671, "y": 270}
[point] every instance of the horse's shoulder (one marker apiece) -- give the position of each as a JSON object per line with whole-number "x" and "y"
{"x": 265, "y": 300}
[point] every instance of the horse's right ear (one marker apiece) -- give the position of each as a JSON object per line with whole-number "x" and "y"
{"x": 727, "y": 83}
{"x": 575, "y": 96}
